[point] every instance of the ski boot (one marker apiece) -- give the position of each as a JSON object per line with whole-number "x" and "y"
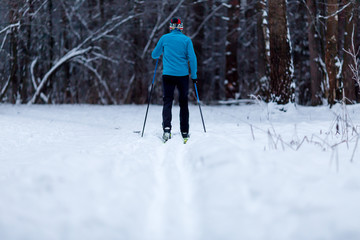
{"x": 166, "y": 134}
{"x": 185, "y": 136}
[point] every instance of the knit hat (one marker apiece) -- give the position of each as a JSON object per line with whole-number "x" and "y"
{"x": 175, "y": 23}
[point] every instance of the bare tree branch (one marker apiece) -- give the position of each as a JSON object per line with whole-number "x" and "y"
{"x": 7, "y": 30}
{"x": 71, "y": 54}
{"x": 166, "y": 21}
{"x": 5, "y": 88}
{"x": 207, "y": 18}
{"x": 78, "y": 51}
{"x": 85, "y": 63}
{"x": 354, "y": 67}
{"x": 151, "y": 36}
{"x": 33, "y": 79}
{"x": 9, "y": 27}
{"x": 335, "y": 13}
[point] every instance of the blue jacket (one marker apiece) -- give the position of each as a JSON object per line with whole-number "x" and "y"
{"x": 178, "y": 51}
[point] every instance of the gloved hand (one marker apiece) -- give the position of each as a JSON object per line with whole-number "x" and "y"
{"x": 194, "y": 80}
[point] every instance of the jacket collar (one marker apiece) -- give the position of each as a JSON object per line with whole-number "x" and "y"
{"x": 175, "y": 31}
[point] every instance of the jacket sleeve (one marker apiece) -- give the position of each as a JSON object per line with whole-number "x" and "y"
{"x": 158, "y": 50}
{"x": 192, "y": 59}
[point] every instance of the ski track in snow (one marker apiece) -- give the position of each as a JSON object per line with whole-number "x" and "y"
{"x": 173, "y": 194}
{"x": 80, "y": 172}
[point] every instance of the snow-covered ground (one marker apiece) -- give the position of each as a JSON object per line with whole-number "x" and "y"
{"x": 80, "y": 172}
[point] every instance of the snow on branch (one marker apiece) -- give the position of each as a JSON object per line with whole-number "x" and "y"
{"x": 4, "y": 89}
{"x": 38, "y": 10}
{"x": 206, "y": 19}
{"x": 159, "y": 26}
{"x": 83, "y": 61}
{"x": 335, "y": 13}
{"x": 354, "y": 66}
{"x": 4, "y": 40}
{"x": 71, "y": 54}
{"x": 32, "y": 66}
{"x": 166, "y": 21}
{"x": 151, "y": 36}
{"x": 80, "y": 50}
{"x": 108, "y": 27}
{"x": 9, "y": 27}
{"x": 7, "y": 30}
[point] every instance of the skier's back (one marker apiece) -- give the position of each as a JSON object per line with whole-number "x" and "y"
{"x": 178, "y": 52}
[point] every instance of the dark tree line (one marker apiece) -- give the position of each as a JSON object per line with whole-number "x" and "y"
{"x": 99, "y": 51}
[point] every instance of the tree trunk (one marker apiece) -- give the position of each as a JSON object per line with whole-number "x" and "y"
{"x": 263, "y": 60}
{"x": 215, "y": 38}
{"x": 103, "y": 44}
{"x": 300, "y": 53}
{"x": 68, "y": 96}
{"x": 314, "y": 45}
{"x": 347, "y": 74}
{"x": 331, "y": 50}
{"x": 28, "y": 52}
{"x": 93, "y": 94}
{"x": 199, "y": 11}
{"x": 138, "y": 90}
{"x": 281, "y": 89}
{"x": 218, "y": 88}
{"x": 51, "y": 39}
{"x": 24, "y": 49}
{"x": 231, "y": 77}
{"x": 50, "y": 51}
{"x": 208, "y": 64}
{"x": 14, "y": 77}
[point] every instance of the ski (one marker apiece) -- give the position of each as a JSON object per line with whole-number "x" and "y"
{"x": 167, "y": 136}
{"x": 185, "y": 140}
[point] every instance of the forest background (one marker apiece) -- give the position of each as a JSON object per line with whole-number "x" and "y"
{"x": 99, "y": 51}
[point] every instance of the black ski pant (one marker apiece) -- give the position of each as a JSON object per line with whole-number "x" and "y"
{"x": 182, "y": 84}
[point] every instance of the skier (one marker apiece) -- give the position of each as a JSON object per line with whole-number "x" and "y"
{"x": 178, "y": 51}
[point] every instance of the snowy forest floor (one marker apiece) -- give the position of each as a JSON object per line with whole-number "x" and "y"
{"x": 80, "y": 172}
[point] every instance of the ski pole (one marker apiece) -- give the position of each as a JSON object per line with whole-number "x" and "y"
{"x": 149, "y": 97}
{"x": 198, "y": 100}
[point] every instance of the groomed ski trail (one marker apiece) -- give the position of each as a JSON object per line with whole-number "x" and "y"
{"x": 173, "y": 211}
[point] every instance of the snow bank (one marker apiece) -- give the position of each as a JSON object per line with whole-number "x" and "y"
{"x": 260, "y": 172}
